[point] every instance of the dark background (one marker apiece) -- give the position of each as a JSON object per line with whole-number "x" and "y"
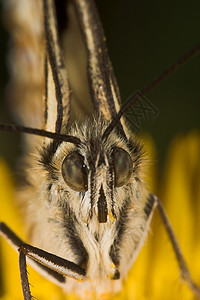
{"x": 144, "y": 38}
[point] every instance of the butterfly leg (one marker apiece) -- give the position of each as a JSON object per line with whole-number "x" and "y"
{"x": 185, "y": 274}
{"x": 54, "y": 267}
{"x": 24, "y": 276}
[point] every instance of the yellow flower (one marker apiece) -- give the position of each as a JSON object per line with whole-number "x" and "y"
{"x": 155, "y": 274}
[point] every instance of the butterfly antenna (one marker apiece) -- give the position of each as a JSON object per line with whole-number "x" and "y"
{"x": 40, "y": 132}
{"x": 150, "y": 87}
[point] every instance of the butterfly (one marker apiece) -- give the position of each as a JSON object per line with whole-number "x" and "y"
{"x": 87, "y": 207}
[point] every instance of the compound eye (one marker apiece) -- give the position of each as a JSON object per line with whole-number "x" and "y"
{"x": 123, "y": 166}
{"x": 75, "y": 172}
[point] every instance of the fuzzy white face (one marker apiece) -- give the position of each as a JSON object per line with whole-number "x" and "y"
{"x": 93, "y": 204}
